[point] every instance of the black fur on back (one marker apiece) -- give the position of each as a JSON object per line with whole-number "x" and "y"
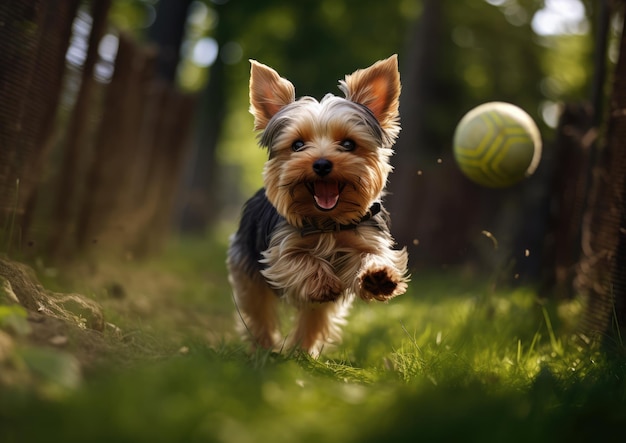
{"x": 258, "y": 221}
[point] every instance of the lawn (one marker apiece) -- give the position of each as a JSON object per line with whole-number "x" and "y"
{"x": 454, "y": 359}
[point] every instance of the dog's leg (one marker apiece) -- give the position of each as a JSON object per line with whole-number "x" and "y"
{"x": 319, "y": 324}
{"x": 382, "y": 277}
{"x": 256, "y": 309}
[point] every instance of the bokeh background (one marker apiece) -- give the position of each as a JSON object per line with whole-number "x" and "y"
{"x": 126, "y": 121}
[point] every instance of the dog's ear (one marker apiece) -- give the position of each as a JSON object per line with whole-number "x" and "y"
{"x": 268, "y": 93}
{"x": 377, "y": 88}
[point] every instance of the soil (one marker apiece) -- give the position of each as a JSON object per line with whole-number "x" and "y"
{"x": 129, "y": 315}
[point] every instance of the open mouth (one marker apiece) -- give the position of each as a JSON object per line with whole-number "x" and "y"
{"x": 325, "y": 193}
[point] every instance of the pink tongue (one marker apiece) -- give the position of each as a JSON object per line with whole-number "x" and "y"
{"x": 326, "y": 194}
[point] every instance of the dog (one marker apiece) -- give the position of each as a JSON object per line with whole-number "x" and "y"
{"x": 316, "y": 235}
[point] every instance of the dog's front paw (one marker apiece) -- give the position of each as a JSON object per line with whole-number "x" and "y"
{"x": 381, "y": 284}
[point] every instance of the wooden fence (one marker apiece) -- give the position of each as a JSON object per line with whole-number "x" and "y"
{"x": 85, "y": 163}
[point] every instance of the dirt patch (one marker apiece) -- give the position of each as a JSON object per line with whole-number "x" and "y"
{"x": 33, "y": 317}
{"x": 110, "y": 313}
{"x": 21, "y": 284}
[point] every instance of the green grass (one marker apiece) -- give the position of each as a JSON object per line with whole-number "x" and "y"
{"x": 452, "y": 360}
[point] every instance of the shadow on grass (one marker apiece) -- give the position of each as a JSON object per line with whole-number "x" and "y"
{"x": 451, "y": 361}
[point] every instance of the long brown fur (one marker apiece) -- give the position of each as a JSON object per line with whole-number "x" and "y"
{"x": 317, "y": 236}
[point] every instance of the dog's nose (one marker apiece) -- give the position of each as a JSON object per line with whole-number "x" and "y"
{"x": 322, "y": 167}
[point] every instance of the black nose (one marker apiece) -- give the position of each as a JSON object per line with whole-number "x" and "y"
{"x": 322, "y": 167}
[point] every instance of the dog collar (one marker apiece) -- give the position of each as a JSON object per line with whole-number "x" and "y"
{"x": 330, "y": 226}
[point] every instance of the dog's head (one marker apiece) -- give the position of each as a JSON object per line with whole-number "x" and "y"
{"x": 328, "y": 159}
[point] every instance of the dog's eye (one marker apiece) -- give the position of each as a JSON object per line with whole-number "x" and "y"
{"x": 348, "y": 145}
{"x": 298, "y": 145}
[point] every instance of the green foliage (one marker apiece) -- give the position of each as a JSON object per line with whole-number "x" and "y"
{"x": 13, "y": 318}
{"x": 476, "y": 51}
{"x": 56, "y": 371}
{"x": 47, "y": 371}
{"x": 132, "y": 15}
{"x": 453, "y": 359}
{"x": 239, "y": 150}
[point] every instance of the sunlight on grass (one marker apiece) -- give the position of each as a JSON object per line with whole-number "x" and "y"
{"x": 451, "y": 359}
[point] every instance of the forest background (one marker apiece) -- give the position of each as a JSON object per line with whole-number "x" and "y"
{"x": 453, "y": 56}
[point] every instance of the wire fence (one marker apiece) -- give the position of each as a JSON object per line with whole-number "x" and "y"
{"x": 92, "y": 143}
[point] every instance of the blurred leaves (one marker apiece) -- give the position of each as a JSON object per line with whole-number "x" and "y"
{"x": 54, "y": 369}
{"x": 483, "y": 50}
{"x": 13, "y": 319}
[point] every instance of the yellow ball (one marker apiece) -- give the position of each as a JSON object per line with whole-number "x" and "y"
{"x": 497, "y": 144}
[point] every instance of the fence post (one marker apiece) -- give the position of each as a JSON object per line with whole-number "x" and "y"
{"x": 602, "y": 271}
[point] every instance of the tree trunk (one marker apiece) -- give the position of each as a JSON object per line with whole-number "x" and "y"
{"x": 404, "y": 186}
{"x": 168, "y": 32}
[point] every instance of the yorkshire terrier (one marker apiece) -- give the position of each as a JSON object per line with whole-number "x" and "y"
{"x": 317, "y": 234}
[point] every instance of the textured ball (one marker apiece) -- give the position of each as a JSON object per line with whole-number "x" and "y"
{"x": 497, "y": 144}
